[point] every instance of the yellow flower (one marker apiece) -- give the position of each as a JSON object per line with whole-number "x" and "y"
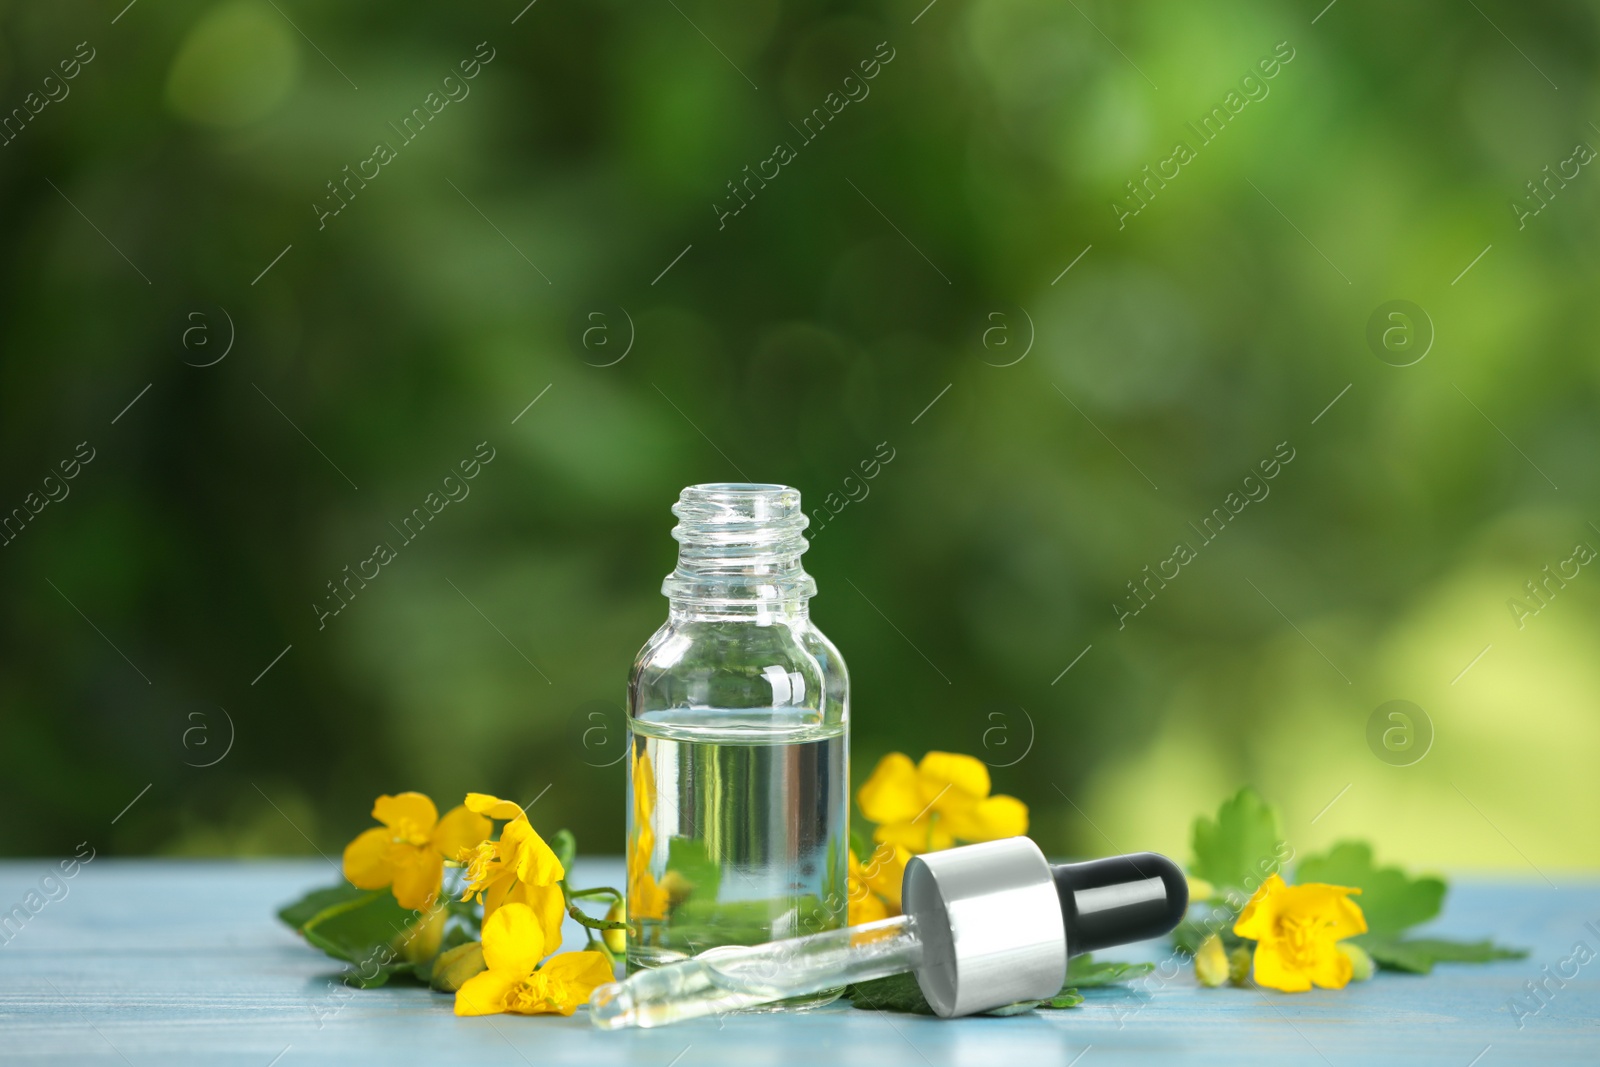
{"x": 519, "y": 868}
{"x": 864, "y": 905}
{"x": 408, "y": 851}
{"x": 646, "y": 898}
{"x": 515, "y": 938}
{"x": 931, "y": 805}
{"x": 874, "y": 886}
{"x": 1297, "y": 930}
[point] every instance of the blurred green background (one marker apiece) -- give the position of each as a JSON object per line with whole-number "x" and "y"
{"x": 914, "y": 252}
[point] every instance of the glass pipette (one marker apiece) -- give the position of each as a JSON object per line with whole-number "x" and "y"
{"x": 734, "y": 977}
{"x": 984, "y": 926}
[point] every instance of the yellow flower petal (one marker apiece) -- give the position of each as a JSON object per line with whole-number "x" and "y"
{"x": 891, "y": 794}
{"x": 486, "y": 993}
{"x": 646, "y": 898}
{"x": 532, "y": 859}
{"x": 366, "y": 860}
{"x": 1330, "y": 902}
{"x": 418, "y": 872}
{"x": 965, "y": 774}
{"x": 643, "y": 779}
{"x": 493, "y": 807}
{"x": 884, "y": 872}
{"x": 513, "y": 940}
{"x": 460, "y": 829}
{"x": 561, "y": 985}
{"x": 1273, "y": 971}
{"x": 925, "y": 835}
{"x": 1259, "y": 919}
{"x": 1331, "y": 969}
{"x": 866, "y": 907}
{"x": 410, "y": 815}
{"x": 549, "y": 907}
{"x": 581, "y": 972}
{"x": 496, "y": 892}
{"x": 989, "y": 819}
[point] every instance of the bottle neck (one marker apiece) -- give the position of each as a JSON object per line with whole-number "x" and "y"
{"x": 756, "y": 612}
{"x": 739, "y": 555}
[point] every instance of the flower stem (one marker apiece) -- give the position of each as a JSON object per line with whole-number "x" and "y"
{"x": 598, "y": 891}
{"x": 592, "y": 923}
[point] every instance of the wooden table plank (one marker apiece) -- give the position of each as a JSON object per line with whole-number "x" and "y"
{"x": 174, "y": 962}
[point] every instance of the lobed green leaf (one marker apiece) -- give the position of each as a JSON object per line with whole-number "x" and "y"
{"x": 900, "y": 992}
{"x": 1085, "y": 972}
{"x": 360, "y": 930}
{"x": 317, "y": 901}
{"x": 1391, "y": 900}
{"x": 1417, "y": 956}
{"x": 1241, "y": 846}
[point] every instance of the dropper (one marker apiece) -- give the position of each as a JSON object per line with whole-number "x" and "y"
{"x": 984, "y": 926}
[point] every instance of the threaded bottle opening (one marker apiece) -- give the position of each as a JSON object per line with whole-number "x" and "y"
{"x": 739, "y": 542}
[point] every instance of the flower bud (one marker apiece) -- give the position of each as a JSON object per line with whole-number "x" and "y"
{"x": 1211, "y": 962}
{"x": 616, "y": 940}
{"x": 453, "y": 968}
{"x": 1361, "y": 965}
{"x": 677, "y": 887}
{"x": 421, "y": 940}
{"x": 1239, "y": 961}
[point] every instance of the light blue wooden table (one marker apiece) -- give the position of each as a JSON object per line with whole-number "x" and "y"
{"x": 170, "y": 963}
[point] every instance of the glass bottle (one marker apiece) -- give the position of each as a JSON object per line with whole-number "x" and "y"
{"x": 738, "y": 722}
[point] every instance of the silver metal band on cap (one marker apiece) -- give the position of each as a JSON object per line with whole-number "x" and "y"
{"x": 991, "y": 924}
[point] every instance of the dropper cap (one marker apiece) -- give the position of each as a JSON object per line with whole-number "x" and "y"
{"x": 1119, "y": 899}
{"x": 998, "y": 922}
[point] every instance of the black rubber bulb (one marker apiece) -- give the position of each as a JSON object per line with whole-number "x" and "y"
{"x": 1119, "y": 899}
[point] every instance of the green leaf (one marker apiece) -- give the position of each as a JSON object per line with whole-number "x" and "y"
{"x": 689, "y": 859}
{"x": 1241, "y": 847}
{"x": 861, "y": 844}
{"x": 1391, "y": 901}
{"x": 317, "y": 901}
{"x": 360, "y": 930}
{"x": 1419, "y": 955}
{"x": 374, "y": 974}
{"x": 1019, "y": 1008}
{"x": 1084, "y": 972}
{"x": 897, "y": 992}
{"x": 565, "y": 846}
{"x": 900, "y": 992}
